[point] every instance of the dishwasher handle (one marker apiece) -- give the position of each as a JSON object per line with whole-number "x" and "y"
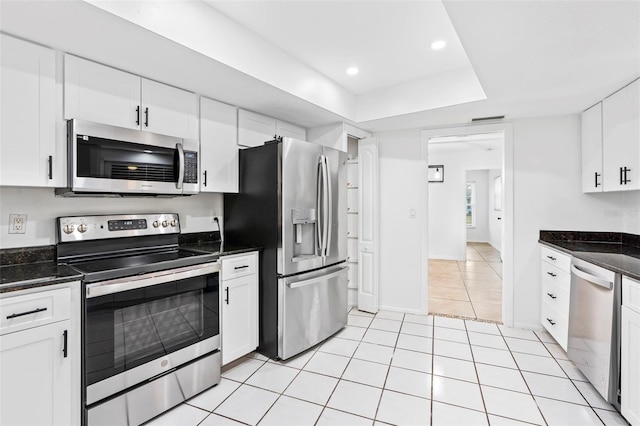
{"x": 602, "y": 282}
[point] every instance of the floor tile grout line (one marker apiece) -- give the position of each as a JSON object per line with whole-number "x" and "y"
{"x": 475, "y": 368}
{"x": 433, "y": 350}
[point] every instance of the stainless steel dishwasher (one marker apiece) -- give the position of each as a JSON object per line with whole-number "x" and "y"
{"x": 594, "y": 326}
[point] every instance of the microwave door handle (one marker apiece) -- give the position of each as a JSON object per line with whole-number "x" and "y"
{"x": 180, "y": 165}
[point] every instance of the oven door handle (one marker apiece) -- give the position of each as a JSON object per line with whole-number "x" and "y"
{"x": 147, "y": 280}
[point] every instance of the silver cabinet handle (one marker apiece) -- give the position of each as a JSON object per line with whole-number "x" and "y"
{"x": 602, "y": 282}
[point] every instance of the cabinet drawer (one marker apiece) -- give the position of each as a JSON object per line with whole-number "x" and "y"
{"x": 555, "y": 276}
{"x": 239, "y": 266}
{"x": 553, "y": 257}
{"x": 631, "y": 294}
{"x": 556, "y": 324}
{"x": 34, "y": 309}
{"x": 556, "y": 297}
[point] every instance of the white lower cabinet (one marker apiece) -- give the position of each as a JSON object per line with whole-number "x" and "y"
{"x": 630, "y": 348}
{"x": 239, "y": 306}
{"x": 40, "y": 358}
{"x": 555, "y": 283}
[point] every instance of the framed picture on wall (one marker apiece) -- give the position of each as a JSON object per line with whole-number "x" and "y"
{"x": 497, "y": 193}
{"x": 436, "y": 173}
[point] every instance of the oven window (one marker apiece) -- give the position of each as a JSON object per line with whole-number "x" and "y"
{"x": 125, "y": 330}
{"x": 143, "y": 330}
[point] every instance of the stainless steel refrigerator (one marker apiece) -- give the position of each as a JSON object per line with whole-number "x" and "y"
{"x": 293, "y": 205}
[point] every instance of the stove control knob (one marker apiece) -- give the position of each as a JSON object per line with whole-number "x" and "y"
{"x": 174, "y": 222}
{"x": 68, "y": 229}
{"x": 165, "y": 223}
{"x": 82, "y": 227}
{"x": 156, "y": 223}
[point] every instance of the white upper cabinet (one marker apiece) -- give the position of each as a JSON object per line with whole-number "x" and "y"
{"x": 218, "y": 147}
{"x": 621, "y": 139}
{"x": 592, "y": 149}
{"x": 256, "y": 129}
{"x": 288, "y": 130}
{"x": 30, "y": 153}
{"x": 97, "y": 93}
{"x": 169, "y": 111}
{"x": 101, "y": 94}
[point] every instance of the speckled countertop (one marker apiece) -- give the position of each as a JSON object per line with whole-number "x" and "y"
{"x": 28, "y": 267}
{"x": 37, "y": 274}
{"x": 615, "y": 251}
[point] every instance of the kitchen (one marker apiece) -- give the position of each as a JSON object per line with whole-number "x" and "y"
{"x": 534, "y": 130}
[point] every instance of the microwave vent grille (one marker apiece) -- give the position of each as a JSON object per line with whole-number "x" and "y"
{"x": 146, "y": 172}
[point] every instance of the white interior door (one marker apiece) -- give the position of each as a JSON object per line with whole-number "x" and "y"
{"x": 368, "y": 226}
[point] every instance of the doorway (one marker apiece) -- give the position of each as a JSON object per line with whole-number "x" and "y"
{"x": 466, "y": 223}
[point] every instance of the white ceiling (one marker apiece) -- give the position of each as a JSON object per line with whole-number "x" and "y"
{"x": 388, "y": 41}
{"x": 467, "y": 143}
{"x": 526, "y": 58}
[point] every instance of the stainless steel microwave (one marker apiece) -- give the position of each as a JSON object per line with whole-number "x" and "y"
{"x": 112, "y": 160}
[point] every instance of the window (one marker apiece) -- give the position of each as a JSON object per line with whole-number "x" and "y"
{"x": 471, "y": 204}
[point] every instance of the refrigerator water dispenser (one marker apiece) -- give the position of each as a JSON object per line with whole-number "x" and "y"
{"x": 304, "y": 223}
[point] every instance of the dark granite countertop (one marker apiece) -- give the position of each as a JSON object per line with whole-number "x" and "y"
{"x": 617, "y": 252}
{"x": 28, "y": 267}
{"x": 218, "y": 248}
{"x": 37, "y": 274}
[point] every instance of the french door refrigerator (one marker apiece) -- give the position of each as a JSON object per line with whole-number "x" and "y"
{"x": 293, "y": 205}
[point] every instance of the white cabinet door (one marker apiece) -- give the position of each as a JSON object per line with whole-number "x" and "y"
{"x": 239, "y": 317}
{"x": 97, "y": 93}
{"x": 254, "y": 129}
{"x": 218, "y": 146}
{"x": 621, "y": 139}
{"x": 36, "y": 377}
{"x": 169, "y": 111}
{"x": 630, "y": 368}
{"x": 288, "y": 130}
{"x": 368, "y": 225}
{"x": 592, "y": 149}
{"x": 28, "y": 146}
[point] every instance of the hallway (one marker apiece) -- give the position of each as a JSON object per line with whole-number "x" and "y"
{"x": 471, "y": 289}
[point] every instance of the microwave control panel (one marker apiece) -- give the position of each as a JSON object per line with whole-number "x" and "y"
{"x": 190, "y": 167}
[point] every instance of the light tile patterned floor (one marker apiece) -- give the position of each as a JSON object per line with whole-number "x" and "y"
{"x": 413, "y": 370}
{"x": 471, "y": 289}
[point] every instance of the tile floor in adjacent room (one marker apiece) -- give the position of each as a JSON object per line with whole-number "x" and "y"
{"x": 404, "y": 369}
{"x": 471, "y": 289}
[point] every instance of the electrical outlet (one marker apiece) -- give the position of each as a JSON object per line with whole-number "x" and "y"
{"x": 214, "y": 214}
{"x": 17, "y": 223}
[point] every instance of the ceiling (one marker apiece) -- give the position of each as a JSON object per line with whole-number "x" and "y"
{"x": 389, "y": 42}
{"x": 467, "y": 143}
{"x": 288, "y": 59}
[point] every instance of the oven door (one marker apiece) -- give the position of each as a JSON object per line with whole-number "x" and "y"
{"x": 141, "y": 327}
{"x": 117, "y": 160}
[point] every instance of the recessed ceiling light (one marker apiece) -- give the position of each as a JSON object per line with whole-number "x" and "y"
{"x": 438, "y": 44}
{"x": 352, "y": 70}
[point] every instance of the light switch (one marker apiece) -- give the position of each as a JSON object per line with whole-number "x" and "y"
{"x": 412, "y": 213}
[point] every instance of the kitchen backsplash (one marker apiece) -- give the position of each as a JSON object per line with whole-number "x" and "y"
{"x": 42, "y": 207}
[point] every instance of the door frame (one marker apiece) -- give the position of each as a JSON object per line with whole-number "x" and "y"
{"x": 506, "y": 129}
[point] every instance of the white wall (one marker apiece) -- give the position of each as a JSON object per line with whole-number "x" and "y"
{"x": 43, "y": 207}
{"x": 447, "y": 225}
{"x": 548, "y": 195}
{"x": 494, "y": 216}
{"x": 400, "y": 262}
{"x": 480, "y": 232}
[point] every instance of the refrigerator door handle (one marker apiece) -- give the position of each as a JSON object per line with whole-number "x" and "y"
{"x": 329, "y": 205}
{"x": 310, "y": 281}
{"x": 319, "y": 207}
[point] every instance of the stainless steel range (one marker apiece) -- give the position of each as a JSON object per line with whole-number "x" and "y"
{"x": 151, "y": 315}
